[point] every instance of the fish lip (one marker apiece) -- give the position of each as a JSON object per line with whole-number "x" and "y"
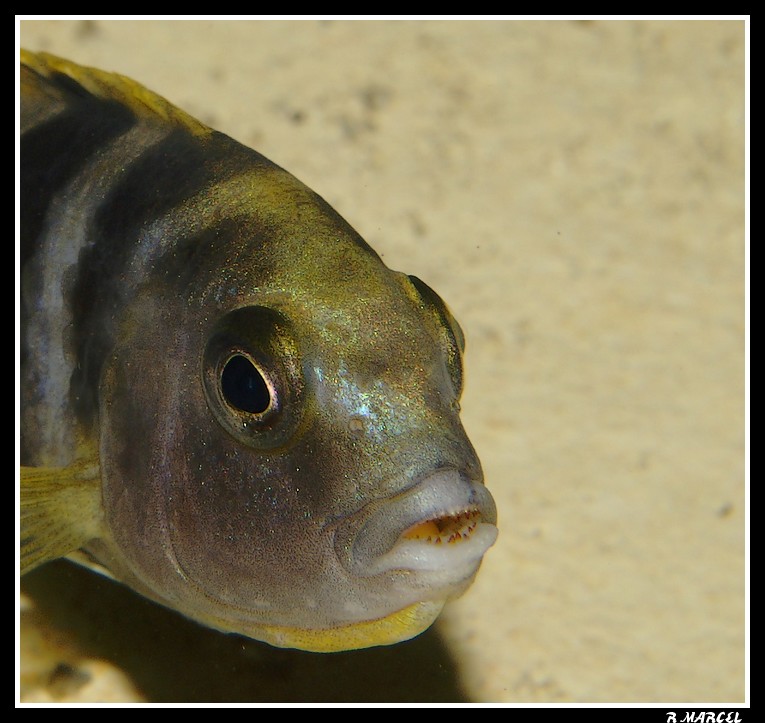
{"x": 372, "y": 541}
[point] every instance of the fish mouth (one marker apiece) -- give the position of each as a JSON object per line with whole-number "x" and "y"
{"x": 439, "y": 529}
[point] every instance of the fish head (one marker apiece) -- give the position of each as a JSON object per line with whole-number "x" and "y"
{"x": 282, "y": 450}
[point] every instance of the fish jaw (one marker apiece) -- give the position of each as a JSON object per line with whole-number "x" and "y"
{"x": 407, "y": 555}
{"x": 429, "y": 539}
{"x": 394, "y": 628}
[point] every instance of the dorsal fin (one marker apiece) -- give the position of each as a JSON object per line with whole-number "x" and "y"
{"x": 49, "y": 82}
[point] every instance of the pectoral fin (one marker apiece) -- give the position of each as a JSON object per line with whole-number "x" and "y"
{"x": 60, "y": 511}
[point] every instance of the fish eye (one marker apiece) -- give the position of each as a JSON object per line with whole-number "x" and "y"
{"x": 252, "y": 376}
{"x": 244, "y": 386}
{"x": 451, "y": 333}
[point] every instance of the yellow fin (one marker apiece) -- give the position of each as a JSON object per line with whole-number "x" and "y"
{"x": 41, "y": 78}
{"x": 60, "y": 511}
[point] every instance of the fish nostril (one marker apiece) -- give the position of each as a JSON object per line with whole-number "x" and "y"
{"x": 356, "y": 425}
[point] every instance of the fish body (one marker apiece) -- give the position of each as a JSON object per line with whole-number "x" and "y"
{"x": 228, "y": 402}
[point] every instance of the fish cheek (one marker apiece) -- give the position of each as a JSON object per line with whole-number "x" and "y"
{"x": 202, "y": 510}
{"x": 245, "y": 536}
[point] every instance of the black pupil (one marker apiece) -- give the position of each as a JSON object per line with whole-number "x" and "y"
{"x": 243, "y": 386}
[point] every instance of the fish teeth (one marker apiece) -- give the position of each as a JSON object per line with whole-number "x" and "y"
{"x": 447, "y": 528}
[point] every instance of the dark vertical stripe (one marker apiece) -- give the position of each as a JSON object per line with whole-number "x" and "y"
{"x": 168, "y": 173}
{"x": 55, "y": 151}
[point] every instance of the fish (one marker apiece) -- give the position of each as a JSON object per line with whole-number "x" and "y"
{"x": 228, "y": 402}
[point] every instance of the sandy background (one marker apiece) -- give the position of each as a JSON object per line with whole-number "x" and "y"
{"x": 574, "y": 190}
